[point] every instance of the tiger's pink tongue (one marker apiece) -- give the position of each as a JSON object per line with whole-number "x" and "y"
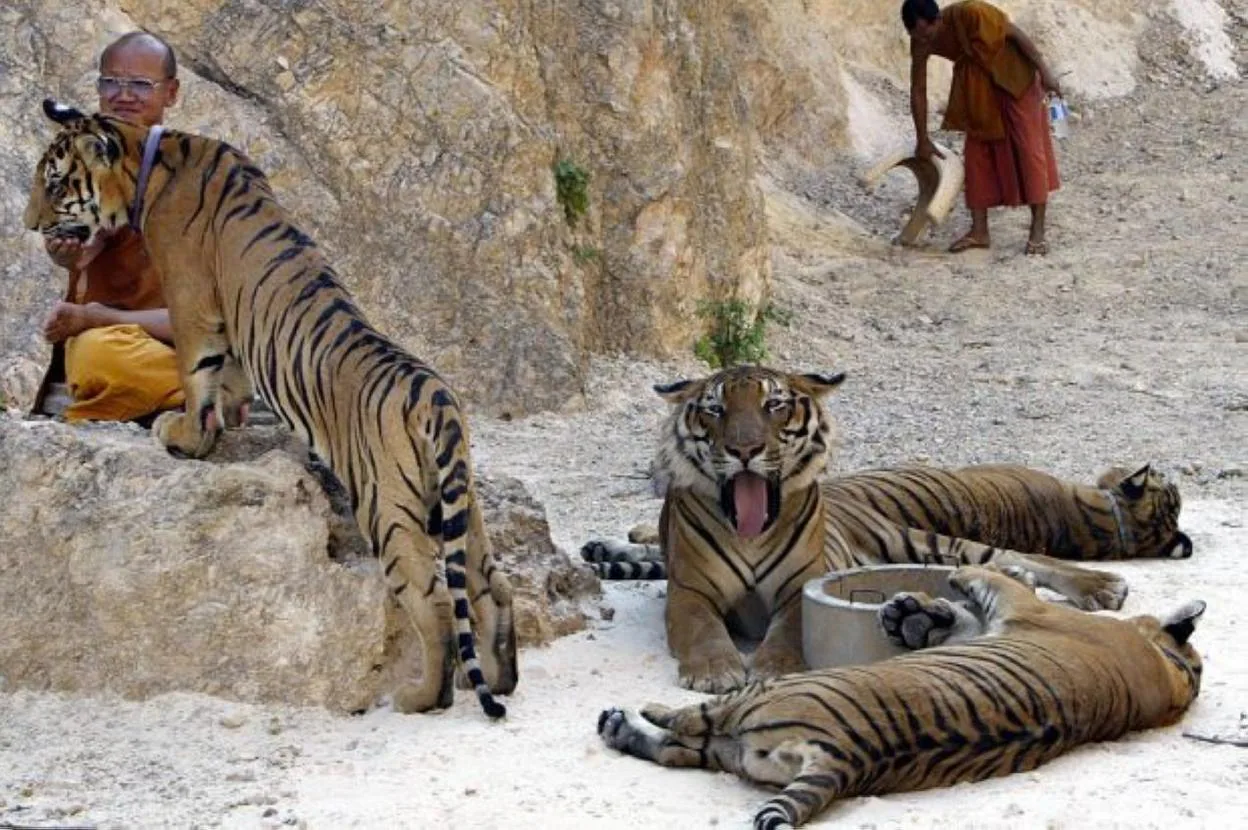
{"x": 749, "y": 496}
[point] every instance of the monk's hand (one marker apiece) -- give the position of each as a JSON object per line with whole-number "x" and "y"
{"x": 925, "y": 149}
{"x": 63, "y": 250}
{"x": 1050, "y": 83}
{"x": 70, "y": 253}
{"x": 71, "y": 319}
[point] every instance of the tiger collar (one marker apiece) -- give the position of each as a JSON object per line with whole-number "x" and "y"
{"x": 1116, "y": 509}
{"x": 150, "y": 146}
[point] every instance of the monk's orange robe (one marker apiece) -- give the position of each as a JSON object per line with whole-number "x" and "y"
{"x": 997, "y": 100}
{"x": 115, "y": 373}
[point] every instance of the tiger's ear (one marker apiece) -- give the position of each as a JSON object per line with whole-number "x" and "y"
{"x": 61, "y": 113}
{"x": 817, "y": 385}
{"x": 1134, "y": 485}
{"x": 97, "y": 150}
{"x": 1182, "y": 622}
{"x": 678, "y": 391}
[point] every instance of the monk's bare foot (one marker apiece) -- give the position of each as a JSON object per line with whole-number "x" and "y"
{"x": 969, "y": 241}
{"x": 1036, "y": 247}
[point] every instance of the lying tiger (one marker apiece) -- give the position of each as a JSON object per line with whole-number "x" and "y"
{"x": 746, "y": 521}
{"x": 252, "y": 299}
{"x": 1042, "y": 679}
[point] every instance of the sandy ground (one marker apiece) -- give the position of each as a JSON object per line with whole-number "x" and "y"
{"x": 1127, "y": 344}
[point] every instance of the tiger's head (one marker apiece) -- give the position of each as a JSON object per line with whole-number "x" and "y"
{"x": 746, "y": 437}
{"x": 1149, "y": 508}
{"x": 84, "y": 182}
{"x": 1182, "y": 663}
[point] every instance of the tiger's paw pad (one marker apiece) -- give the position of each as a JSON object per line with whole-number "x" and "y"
{"x": 715, "y": 675}
{"x": 917, "y": 621}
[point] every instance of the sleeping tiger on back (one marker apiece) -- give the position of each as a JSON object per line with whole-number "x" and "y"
{"x": 1017, "y": 682}
{"x": 746, "y": 521}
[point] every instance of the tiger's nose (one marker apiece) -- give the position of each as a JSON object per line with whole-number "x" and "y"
{"x": 744, "y": 452}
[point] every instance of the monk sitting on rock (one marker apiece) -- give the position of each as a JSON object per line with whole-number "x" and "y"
{"x": 111, "y": 335}
{"x": 998, "y": 99}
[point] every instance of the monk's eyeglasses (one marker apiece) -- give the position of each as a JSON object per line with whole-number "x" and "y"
{"x": 110, "y": 87}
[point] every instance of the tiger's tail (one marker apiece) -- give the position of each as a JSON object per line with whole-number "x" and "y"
{"x": 454, "y": 482}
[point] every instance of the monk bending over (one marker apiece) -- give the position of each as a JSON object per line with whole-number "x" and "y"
{"x": 998, "y": 99}
{"x": 112, "y": 334}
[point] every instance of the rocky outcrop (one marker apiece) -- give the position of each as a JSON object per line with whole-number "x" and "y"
{"x": 417, "y": 143}
{"x": 125, "y": 570}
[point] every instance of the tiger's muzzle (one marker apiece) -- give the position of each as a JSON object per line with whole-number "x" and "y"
{"x": 751, "y": 502}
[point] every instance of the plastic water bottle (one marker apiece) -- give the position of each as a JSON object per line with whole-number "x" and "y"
{"x": 1058, "y": 120}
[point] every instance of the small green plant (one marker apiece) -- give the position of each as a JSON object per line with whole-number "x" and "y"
{"x": 736, "y": 331}
{"x": 585, "y": 254}
{"x": 572, "y": 189}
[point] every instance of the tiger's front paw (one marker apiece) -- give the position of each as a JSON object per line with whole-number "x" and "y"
{"x": 715, "y": 674}
{"x": 180, "y": 435}
{"x": 917, "y": 621}
{"x": 1099, "y": 591}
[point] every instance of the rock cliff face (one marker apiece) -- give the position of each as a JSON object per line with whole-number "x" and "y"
{"x": 416, "y": 141}
{"x": 125, "y": 570}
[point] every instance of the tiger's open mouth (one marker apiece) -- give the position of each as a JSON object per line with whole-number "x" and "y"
{"x": 751, "y": 502}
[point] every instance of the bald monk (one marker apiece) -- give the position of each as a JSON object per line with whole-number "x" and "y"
{"x": 112, "y": 337}
{"x": 998, "y": 99}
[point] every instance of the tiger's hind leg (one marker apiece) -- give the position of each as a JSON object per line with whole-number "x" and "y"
{"x": 1086, "y": 588}
{"x": 613, "y": 559}
{"x": 994, "y": 594}
{"x": 665, "y": 737}
{"x": 698, "y": 736}
{"x": 916, "y": 620}
{"x": 632, "y": 734}
{"x": 409, "y": 562}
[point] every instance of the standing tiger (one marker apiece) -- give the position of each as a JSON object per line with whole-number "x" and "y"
{"x": 1040, "y": 680}
{"x": 252, "y": 300}
{"x": 746, "y": 521}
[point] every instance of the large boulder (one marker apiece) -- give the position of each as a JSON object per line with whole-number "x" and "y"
{"x": 123, "y": 569}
